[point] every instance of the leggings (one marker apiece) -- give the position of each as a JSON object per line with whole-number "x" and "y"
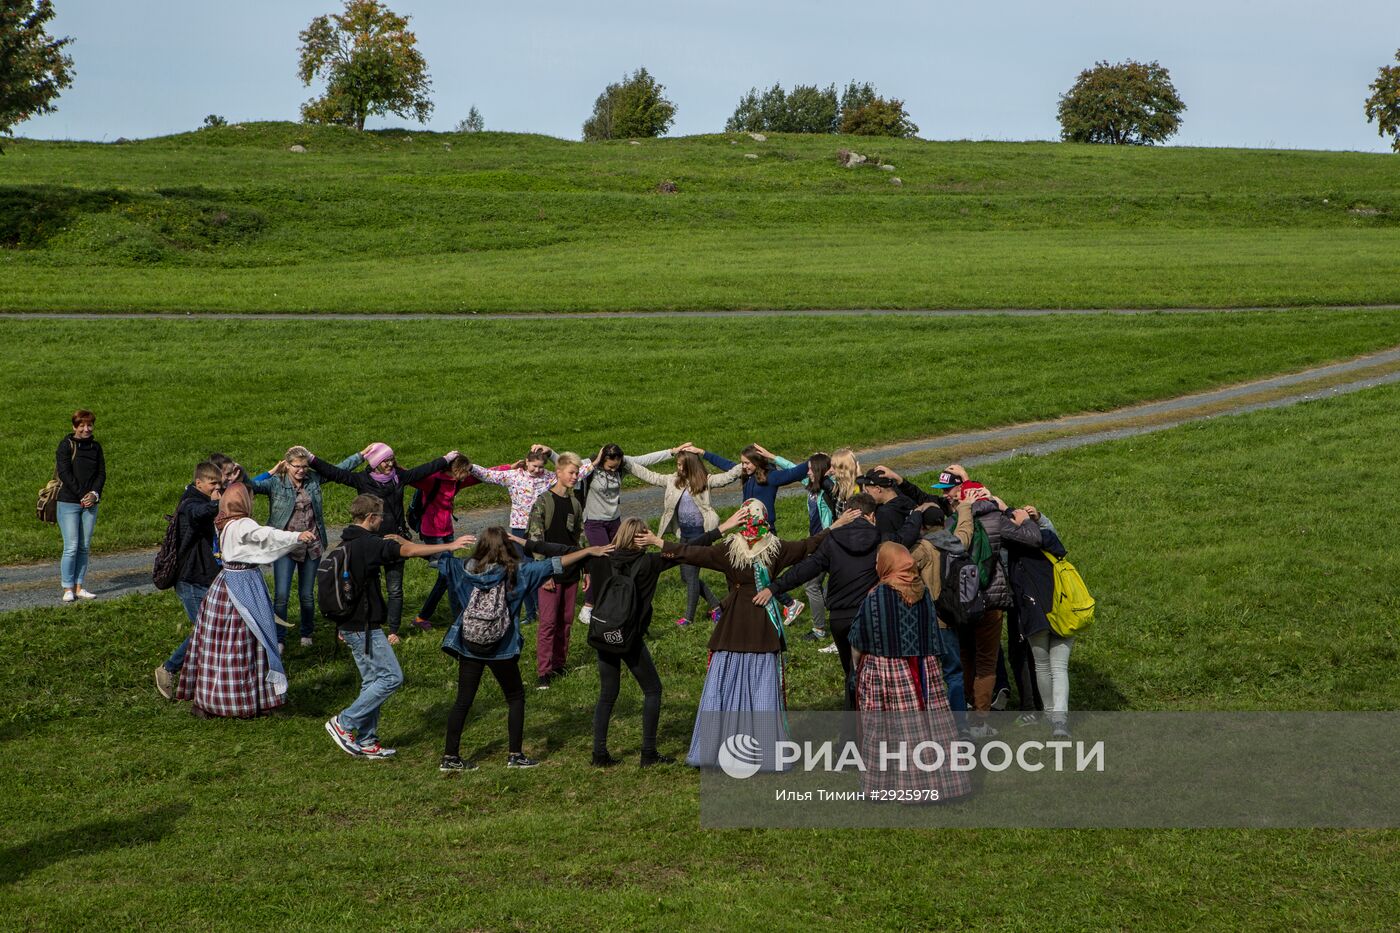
{"x": 507, "y": 674}
{"x": 816, "y": 603}
{"x": 638, "y": 661}
{"x": 439, "y": 582}
{"x": 393, "y": 593}
{"x": 694, "y": 586}
{"x": 1051, "y": 654}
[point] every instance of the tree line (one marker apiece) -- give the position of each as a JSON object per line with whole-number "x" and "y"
{"x": 367, "y": 60}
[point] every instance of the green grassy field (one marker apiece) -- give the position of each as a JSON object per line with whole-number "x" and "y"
{"x": 127, "y": 812}
{"x": 229, "y": 219}
{"x": 168, "y": 392}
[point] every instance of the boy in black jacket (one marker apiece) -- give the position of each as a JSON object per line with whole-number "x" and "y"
{"x": 194, "y": 537}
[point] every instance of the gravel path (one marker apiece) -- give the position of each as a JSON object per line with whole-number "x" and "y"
{"x": 571, "y": 315}
{"x": 122, "y": 573}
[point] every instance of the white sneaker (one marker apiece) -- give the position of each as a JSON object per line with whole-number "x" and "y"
{"x": 306, "y": 641}
{"x": 829, "y": 649}
{"x": 68, "y": 596}
{"x": 84, "y": 594}
{"x": 584, "y": 615}
{"x": 791, "y": 612}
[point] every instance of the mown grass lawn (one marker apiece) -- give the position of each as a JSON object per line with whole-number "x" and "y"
{"x": 229, "y": 219}
{"x": 1228, "y": 577}
{"x": 168, "y": 392}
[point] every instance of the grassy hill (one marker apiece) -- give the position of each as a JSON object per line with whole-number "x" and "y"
{"x": 126, "y": 812}
{"x": 230, "y": 219}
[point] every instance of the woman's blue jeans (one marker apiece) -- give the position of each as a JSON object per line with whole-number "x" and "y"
{"x": 76, "y": 524}
{"x": 282, "y": 570}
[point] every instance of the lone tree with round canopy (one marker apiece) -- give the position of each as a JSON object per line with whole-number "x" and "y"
{"x": 635, "y": 107}
{"x": 1127, "y": 104}
{"x": 33, "y": 66}
{"x": 1383, "y": 106}
{"x": 371, "y": 65}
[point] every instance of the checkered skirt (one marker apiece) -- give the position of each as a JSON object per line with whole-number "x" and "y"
{"x": 226, "y": 671}
{"x": 905, "y": 700}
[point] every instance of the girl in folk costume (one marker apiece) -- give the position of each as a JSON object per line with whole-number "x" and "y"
{"x": 234, "y": 667}
{"x": 900, "y": 693}
{"x": 743, "y": 697}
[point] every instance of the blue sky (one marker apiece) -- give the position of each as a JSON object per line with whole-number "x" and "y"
{"x": 1288, "y": 74}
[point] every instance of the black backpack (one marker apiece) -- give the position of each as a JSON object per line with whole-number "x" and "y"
{"x": 166, "y": 571}
{"x": 613, "y": 626}
{"x": 417, "y": 507}
{"x": 961, "y": 601}
{"x": 337, "y": 590}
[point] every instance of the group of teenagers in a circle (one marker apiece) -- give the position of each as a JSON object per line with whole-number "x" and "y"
{"x": 873, "y": 565}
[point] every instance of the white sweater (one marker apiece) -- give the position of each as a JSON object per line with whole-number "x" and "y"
{"x": 246, "y": 542}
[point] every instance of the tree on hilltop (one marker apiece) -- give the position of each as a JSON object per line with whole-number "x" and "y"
{"x": 33, "y": 66}
{"x": 370, "y": 62}
{"x": 474, "y": 123}
{"x": 634, "y": 108}
{"x": 1383, "y": 106}
{"x": 1129, "y": 103}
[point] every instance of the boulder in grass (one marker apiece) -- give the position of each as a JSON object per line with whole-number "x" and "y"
{"x": 633, "y": 142}
{"x": 896, "y": 181}
{"x": 751, "y": 155}
{"x": 887, "y": 168}
{"x": 297, "y": 148}
{"x": 666, "y": 187}
{"x": 849, "y": 159}
{"x": 758, "y": 137}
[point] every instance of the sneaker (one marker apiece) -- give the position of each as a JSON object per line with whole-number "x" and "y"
{"x": 1003, "y": 697}
{"x": 165, "y": 683}
{"x": 714, "y": 615}
{"x": 451, "y": 764}
{"x": 604, "y": 760}
{"x": 657, "y": 759}
{"x": 791, "y": 612}
{"x": 829, "y": 649}
{"x": 982, "y": 731}
{"x": 682, "y": 622}
{"x": 517, "y": 760}
{"x": 375, "y": 750}
{"x": 529, "y": 620}
{"x": 422, "y": 624}
{"x": 342, "y": 737}
{"x": 68, "y": 596}
{"x": 585, "y": 614}
{"x": 84, "y": 594}
{"x": 543, "y": 682}
{"x": 1027, "y": 719}
{"x": 306, "y": 641}
{"x": 1059, "y": 730}
{"x": 815, "y": 635}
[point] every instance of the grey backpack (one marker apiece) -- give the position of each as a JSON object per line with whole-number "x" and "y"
{"x": 486, "y": 618}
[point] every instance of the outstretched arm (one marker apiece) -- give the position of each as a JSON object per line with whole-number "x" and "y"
{"x": 412, "y": 549}
{"x": 637, "y": 469}
{"x": 332, "y": 472}
{"x": 712, "y": 457}
{"x": 791, "y": 475}
{"x": 424, "y": 470}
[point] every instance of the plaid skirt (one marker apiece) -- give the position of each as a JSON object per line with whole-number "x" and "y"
{"x": 226, "y": 672}
{"x": 904, "y": 700}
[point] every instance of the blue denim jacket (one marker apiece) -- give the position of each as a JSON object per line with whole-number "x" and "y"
{"x": 529, "y": 576}
{"x": 283, "y": 495}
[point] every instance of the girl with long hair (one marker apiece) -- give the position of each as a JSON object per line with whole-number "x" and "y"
{"x": 686, "y": 504}
{"x": 496, "y": 569}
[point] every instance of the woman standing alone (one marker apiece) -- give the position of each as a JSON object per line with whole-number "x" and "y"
{"x": 82, "y": 470}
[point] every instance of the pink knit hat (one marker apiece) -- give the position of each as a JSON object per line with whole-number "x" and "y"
{"x": 378, "y": 453}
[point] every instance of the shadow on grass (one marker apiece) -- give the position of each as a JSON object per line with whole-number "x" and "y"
{"x": 1090, "y": 688}
{"x": 18, "y": 862}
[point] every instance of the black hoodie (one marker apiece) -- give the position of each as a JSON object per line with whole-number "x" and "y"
{"x": 194, "y": 518}
{"x": 848, "y": 557}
